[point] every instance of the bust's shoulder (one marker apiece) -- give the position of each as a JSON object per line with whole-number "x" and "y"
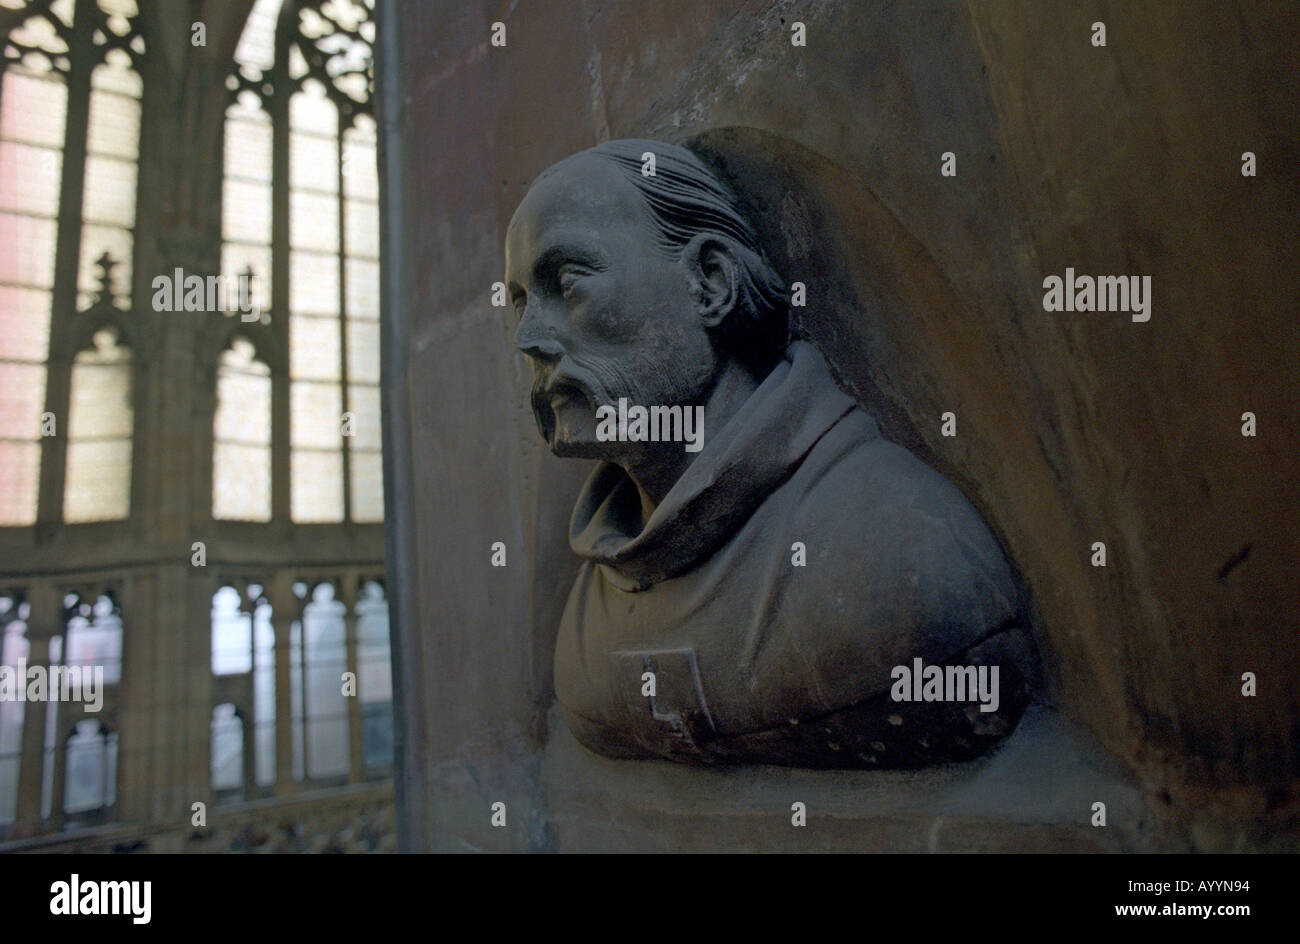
{"x": 873, "y": 505}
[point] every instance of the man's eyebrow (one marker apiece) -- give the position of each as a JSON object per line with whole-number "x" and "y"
{"x": 566, "y": 252}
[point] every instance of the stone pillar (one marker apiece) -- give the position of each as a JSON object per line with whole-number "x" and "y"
{"x": 356, "y": 759}
{"x": 42, "y": 624}
{"x": 284, "y": 609}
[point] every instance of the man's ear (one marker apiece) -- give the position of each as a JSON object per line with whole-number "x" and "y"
{"x": 711, "y": 267}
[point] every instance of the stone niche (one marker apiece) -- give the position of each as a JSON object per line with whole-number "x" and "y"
{"x": 926, "y": 297}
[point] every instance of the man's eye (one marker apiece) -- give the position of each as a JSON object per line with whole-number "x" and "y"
{"x": 569, "y": 281}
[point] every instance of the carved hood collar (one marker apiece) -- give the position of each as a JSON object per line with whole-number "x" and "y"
{"x": 739, "y": 466}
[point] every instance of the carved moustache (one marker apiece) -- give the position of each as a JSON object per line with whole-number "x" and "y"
{"x": 569, "y": 379}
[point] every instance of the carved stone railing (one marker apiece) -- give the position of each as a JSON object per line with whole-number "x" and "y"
{"x": 156, "y": 705}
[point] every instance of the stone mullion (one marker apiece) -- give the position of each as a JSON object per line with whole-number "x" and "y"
{"x": 42, "y": 626}
{"x": 345, "y": 441}
{"x": 283, "y": 603}
{"x": 356, "y": 762}
{"x": 67, "y": 255}
{"x": 278, "y": 108}
{"x": 58, "y": 761}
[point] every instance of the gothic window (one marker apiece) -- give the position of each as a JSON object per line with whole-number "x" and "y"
{"x": 324, "y": 707}
{"x": 112, "y": 143}
{"x": 62, "y": 59}
{"x": 241, "y": 436}
{"x": 227, "y": 755}
{"x": 243, "y": 643}
{"x": 33, "y": 108}
{"x": 90, "y": 787}
{"x": 309, "y": 114}
{"x": 94, "y": 635}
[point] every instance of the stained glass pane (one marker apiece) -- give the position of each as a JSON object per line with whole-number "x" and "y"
{"x": 363, "y": 404}
{"x": 114, "y": 123}
{"x": 317, "y": 488}
{"x": 98, "y": 484}
{"x": 297, "y": 64}
{"x": 316, "y": 415}
{"x": 314, "y": 278}
{"x": 34, "y": 108}
{"x": 311, "y": 112}
{"x": 28, "y": 256}
{"x": 246, "y": 212}
{"x": 63, "y": 9}
{"x": 248, "y": 144}
{"x": 367, "y": 487}
{"x": 22, "y": 396}
{"x": 243, "y": 412}
{"x": 20, "y": 464}
{"x": 100, "y": 404}
{"x": 314, "y": 221}
{"x": 257, "y": 42}
{"x": 360, "y": 171}
{"x": 313, "y": 348}
{"x": 363, "y": 288}
{"x": 110, "y": 191}
{"x": 313, "y": 163}
{"x": 241, "y": 482}
{"x": 232, "y": 634}
{"x": 29, "y": 178}
{"x": 226, "y": 742}
{"x": 241, "y": 453}
{"x": 363, "y": 351}
{"x": 40, "y": 33}
{"x": 361, "y": 219}
{"x": 24, "y": 323}
{"x": 118, "y": 8}
{"x": 325, "y": 658}
{"x": 116, "y": 75}
{"x": 86, "y": 769}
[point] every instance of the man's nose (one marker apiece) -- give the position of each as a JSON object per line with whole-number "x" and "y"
{"x": 536, "y": 336}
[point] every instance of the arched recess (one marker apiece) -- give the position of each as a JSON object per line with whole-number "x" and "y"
{"x": 900, "y": 339}
{"x": 90, "y": 772}
{"x": 243, "y": 669}
{"x": 230, "y": 753}
{"x": 374, "y": 676}
{"x": 318, "y": 654}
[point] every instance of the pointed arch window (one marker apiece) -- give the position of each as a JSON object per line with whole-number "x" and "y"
{"x": 100, "y": 423}
{"x": 241, "y": 432}
{"x": 61, "y": 58}
{"x": 33, "y": 113}
{"x": 320, "y": 262}
{"x": 108, "y": 202}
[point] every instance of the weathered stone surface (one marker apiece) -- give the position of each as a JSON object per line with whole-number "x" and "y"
{"x": 1073, "y": 427}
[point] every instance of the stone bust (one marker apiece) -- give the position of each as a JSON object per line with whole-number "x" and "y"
{"x": 779, "y": 584}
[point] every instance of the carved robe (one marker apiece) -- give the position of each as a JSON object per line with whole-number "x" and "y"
{"x": 694, "y": 636}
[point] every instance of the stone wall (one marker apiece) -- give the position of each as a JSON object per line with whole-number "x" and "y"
{"x": 1073, "y": 427}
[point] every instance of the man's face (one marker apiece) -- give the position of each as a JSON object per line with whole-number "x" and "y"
{"x": 603, "y": 313}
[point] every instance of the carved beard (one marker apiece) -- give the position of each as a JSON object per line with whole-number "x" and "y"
{"x": 597, "y": 382}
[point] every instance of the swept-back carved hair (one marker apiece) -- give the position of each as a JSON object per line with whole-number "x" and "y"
{"x": 685, "y": 199}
